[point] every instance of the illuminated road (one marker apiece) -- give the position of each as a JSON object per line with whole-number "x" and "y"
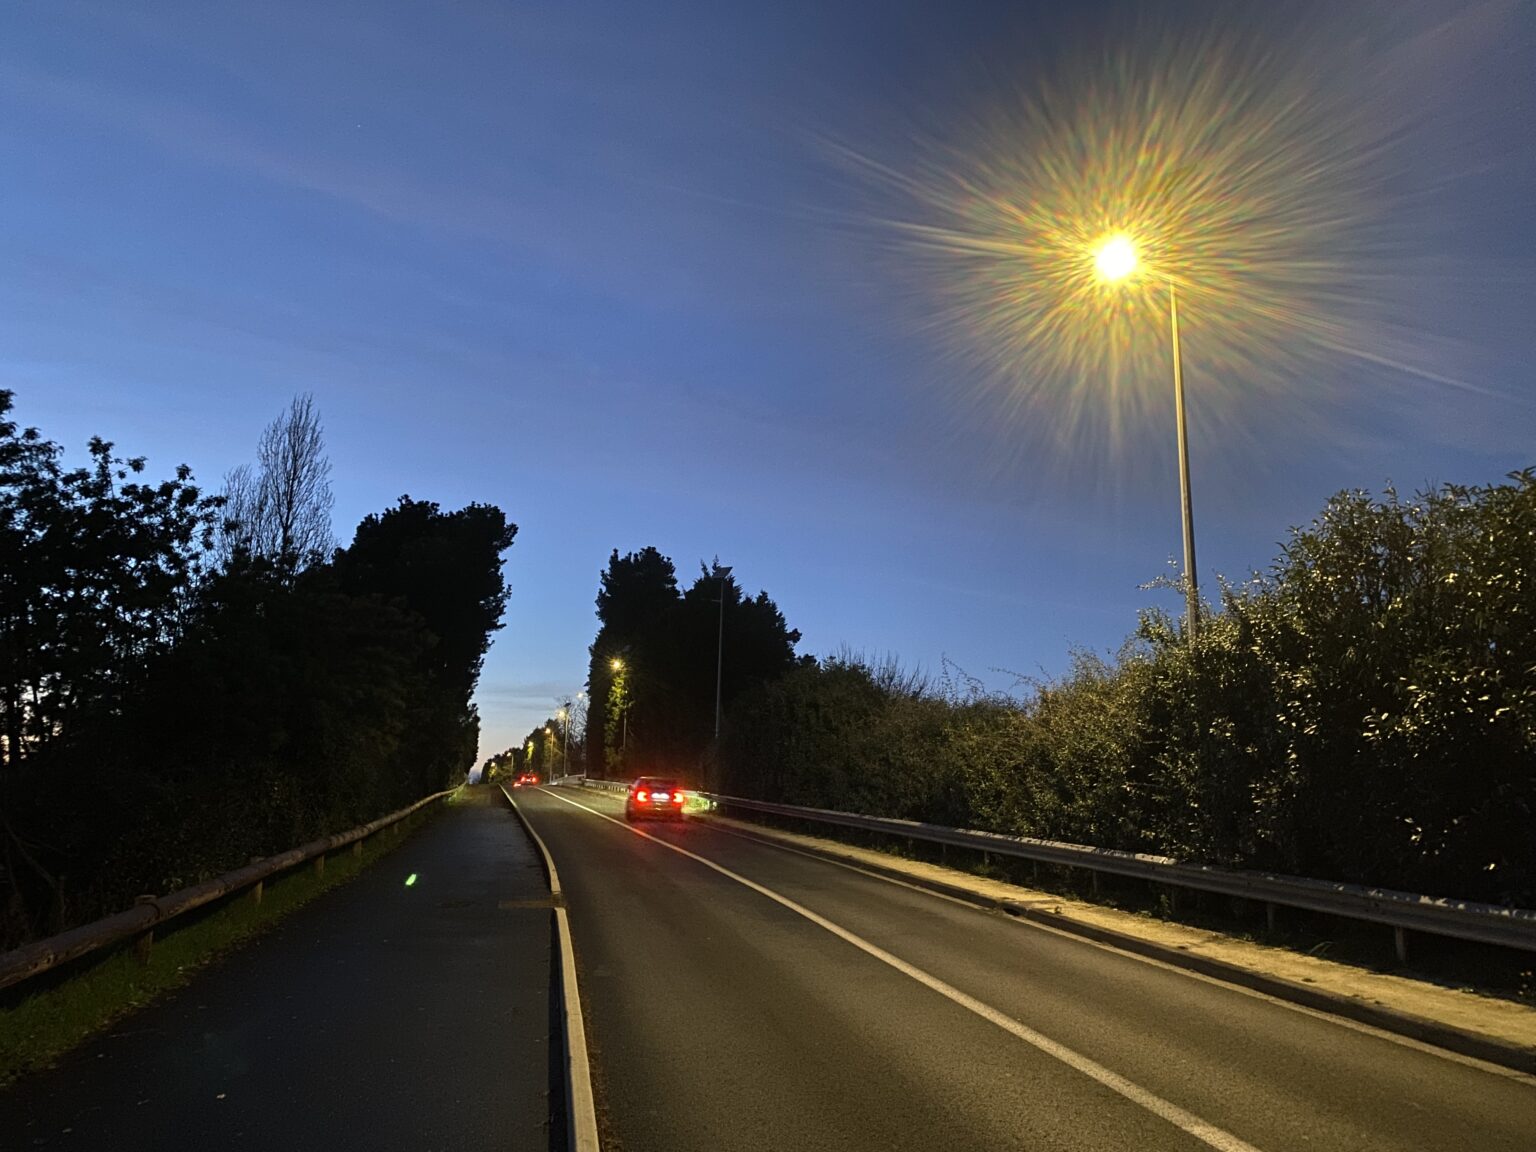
{"x": 742, "y": 996}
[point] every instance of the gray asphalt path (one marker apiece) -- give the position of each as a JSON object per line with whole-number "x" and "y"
{"x": 722, "y": 1019}
{"x": 378, "y": 1017}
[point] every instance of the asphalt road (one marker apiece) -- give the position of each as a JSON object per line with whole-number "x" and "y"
{"x": 749, "y": 997}
{"x": 378, "y": 1017}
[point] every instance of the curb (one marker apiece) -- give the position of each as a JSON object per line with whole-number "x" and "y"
{"x": 580, "y": 1104}
{"x": 1420, "y": 1028}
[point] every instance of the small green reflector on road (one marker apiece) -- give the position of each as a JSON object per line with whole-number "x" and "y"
{"x": 411, "y": 879}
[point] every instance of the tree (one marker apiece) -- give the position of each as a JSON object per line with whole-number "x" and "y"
{"x": 635, "y": 596}
{"x": 281, "y": 510}
{"x": 666, "y": 643}
{"x": 444, "y": 567}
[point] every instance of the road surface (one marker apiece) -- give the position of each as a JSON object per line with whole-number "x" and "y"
{"x": 744, "y": 996}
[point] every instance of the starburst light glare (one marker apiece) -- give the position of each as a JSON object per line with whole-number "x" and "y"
{"x": 1050, "y": 229}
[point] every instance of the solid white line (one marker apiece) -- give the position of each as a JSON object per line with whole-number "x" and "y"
{"x": 1201, "y": 1130}
{"x": 578, "y": 1066}
{"x": 1326, "y": 1017}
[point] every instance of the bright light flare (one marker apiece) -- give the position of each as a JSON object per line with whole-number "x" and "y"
{"x": 1051, "y": 228}
{"x": 1115, "y": 258}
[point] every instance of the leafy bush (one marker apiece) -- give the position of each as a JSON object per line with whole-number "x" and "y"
{"x": 1366, "y": 711}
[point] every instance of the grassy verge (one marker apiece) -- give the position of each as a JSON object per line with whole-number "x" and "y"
{"x": 48, "y": 1015}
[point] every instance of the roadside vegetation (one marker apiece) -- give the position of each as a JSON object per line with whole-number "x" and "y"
{"x": 1365, "y": 711}
{"x": 189, "y": 679}
{"x": 651, "y": 683}
{"x": 62, "y": 1008}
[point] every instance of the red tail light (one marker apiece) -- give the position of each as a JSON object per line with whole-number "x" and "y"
{"x": 677, "y": 797}
{"x": 643, "y": 796}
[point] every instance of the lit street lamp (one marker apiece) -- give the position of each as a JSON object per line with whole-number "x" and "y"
{"x": 618, "y": 666}
{"x": 565, "y": 729}
{"x": 1115, "y": 259}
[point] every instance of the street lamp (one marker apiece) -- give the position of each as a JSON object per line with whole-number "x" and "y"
{"x": 723, "y": 573}
{"x": 565, "y": 728}
{"x": 1114, "y": 260}
{"x": 618, "y": 666}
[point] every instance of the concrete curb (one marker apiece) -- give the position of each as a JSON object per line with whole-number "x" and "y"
{"x": 580, "y": 1103}
{"x": 1419, "y": 1028}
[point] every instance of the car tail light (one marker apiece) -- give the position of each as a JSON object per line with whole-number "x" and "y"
{"x": 642, "y": 796}
{"x": 677, "y": 797}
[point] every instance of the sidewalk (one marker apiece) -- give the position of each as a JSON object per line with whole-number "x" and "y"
{"x": 380, "y": 1016}
{"x": 1409, "y": 1007}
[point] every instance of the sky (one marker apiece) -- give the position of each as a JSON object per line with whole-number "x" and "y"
{"x": 641, "y": 274}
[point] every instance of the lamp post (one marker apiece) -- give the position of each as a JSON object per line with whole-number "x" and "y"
{"x": 618, "y": 666}
{"x": 1115, "y": 259}
{"x": 723, "y": 574}
{"x": 565, "y": 743}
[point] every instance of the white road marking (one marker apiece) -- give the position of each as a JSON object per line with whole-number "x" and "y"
{"x": 578, "y": 1067}
{"x": 1215, "y": 981}
{"x": 1201, "y": 1130}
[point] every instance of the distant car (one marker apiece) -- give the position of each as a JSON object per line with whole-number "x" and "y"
{"x": 654, "y": 798}
{"x": 525, "y": 779}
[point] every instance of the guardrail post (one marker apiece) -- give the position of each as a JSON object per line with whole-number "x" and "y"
{"x": 1093, "y": 883}
{"x": 1269, "y": 918}
{"x": 145, "y": 941}
{"x": 1400, "y": 942}
{"x": 319, "y": 866}
{"x": 357, "y": 849}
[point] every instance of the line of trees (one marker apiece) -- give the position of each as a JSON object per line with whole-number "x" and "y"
{"x": 1365, "y": 711}
{"x": 191, "y": 679}
{"x": 553, "y": 747}
{"x": 651, "y": 682}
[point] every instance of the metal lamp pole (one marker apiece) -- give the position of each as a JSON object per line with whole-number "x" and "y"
{"x": 1186, "y": 507}
{"x": 565, "y": 750}
{"x": 723, "y": 574}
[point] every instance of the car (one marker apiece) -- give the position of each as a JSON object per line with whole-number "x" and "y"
{"x": 525, "y": 780}
{"x": 654, "y": 798}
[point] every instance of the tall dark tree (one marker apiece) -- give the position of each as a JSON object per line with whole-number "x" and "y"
{"x": 636, "y": 595}
{"x": 281, "y": 509}
{"x": 445, "y": 567}
{"x": 669, "y": 644}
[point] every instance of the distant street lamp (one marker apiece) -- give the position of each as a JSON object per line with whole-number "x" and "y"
{"x": 565, "y": 742}
{"x": 1114, "y": 260}
{"x": 618, "y": 666}
{"x": 723, "y": 573}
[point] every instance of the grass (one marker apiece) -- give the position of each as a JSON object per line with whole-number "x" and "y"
{"x": 58, "y": 1010}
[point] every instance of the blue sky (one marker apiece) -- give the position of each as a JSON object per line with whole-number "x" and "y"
{"x": 601, "y": 264}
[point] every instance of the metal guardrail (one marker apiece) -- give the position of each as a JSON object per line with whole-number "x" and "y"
{"x": 1403, "y": 911}
{"x": 140, "y": 921}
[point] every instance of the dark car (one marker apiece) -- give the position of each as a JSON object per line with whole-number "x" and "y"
{"x": 526, "y": 779}
{"x": 654, "y": 798}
